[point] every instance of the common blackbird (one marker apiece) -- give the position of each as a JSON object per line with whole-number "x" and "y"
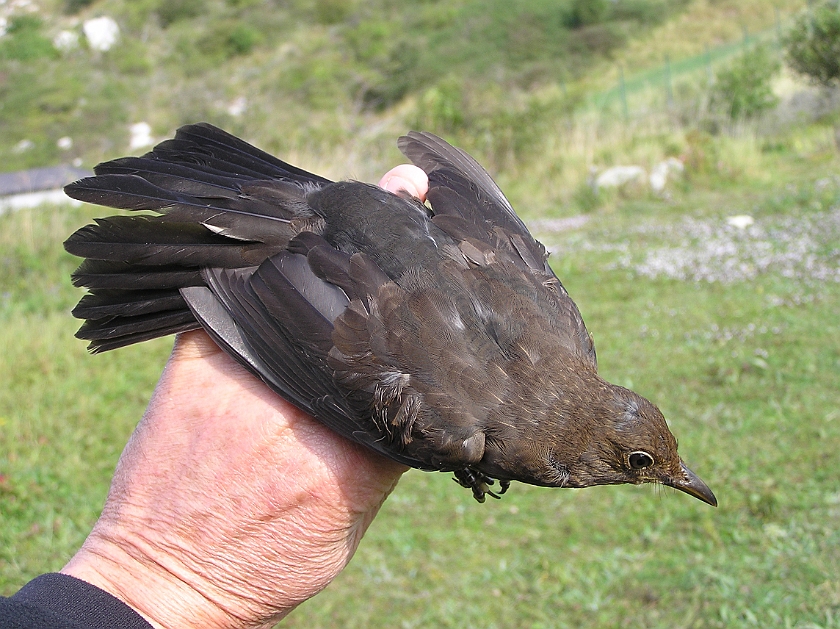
{"x": 439, "y": 337}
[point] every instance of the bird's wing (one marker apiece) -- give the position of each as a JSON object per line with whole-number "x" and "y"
{"x": 470, "y": 207}
{"x": 277, "y": 321}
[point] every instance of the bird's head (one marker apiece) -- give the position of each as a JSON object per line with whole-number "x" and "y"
{"x": 633, "y": 445}
{"x": 619, "y": 438}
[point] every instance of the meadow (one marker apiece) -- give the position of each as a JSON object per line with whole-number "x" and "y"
{"x": 730, "y": 326}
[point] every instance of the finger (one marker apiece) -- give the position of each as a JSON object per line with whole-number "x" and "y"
{"x": 408, "y": 178}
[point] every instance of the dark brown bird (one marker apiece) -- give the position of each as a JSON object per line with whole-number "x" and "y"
{"x": 438, "y": 337}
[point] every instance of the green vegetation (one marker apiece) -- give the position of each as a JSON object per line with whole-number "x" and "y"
{"x": 813, "y": 43}
{"x": 743, "y": 89}
{"x": 24, "y": 40}
{"x": 732, "y": 331}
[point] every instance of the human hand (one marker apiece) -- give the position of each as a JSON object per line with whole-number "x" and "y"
{"x": 229, "y": 506}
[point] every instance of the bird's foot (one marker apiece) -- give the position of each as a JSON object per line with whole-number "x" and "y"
{"x": 479, "y": 483}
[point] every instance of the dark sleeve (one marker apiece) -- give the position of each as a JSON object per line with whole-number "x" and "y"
{"x": 59, "y": 601}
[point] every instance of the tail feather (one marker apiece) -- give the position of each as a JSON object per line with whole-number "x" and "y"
{"x": 126, "y": 192}
{"x": 149, "y": 240}
{"x": 127, "y": 303}
{"x": 221, "y": 203}
{"x": 172, "y": 177}
{"x": 210, "y": 141}
{"x": 107, "y": 274}
{"x": 175, "y": 324}
{"x": 159, "y": 172}
{"x": 218, "y": 208}
{"x": 150, "y": 326}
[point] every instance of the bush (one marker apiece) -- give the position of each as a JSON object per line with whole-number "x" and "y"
{"x": 812, "y": 45}
{"x": 24, "y": 41}
{"x": 648, "y": 12}
{"x": 229, "y": 39}
{"x": 171, "y": 11}
{"x": 743, "y": 88}
{"x": 587, "y": 12}
{"x": 130, "y": 57}
{"x": 332, "y": 11}
{"x": 441, "y": 108}
{"x": 74, "y": 6}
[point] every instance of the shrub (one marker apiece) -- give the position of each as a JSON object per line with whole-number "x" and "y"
{"x": 587, "y": 12}
{"x": 743, "y": 88}
{"x": 229, "y": 39}
{"x": 74, "y": 6}
{"x": 646, "y": 11}
{"x": 441, "y": 108}
{"x": 812, "y": 45}
{"x": 332, "y": 11}
{"x": 171, "y": 11}
{"x": 24, "y": 41}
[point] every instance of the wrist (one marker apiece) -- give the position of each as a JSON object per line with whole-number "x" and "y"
{"x": 164, "y": 593}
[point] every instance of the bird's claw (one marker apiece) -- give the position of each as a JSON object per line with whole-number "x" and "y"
{"x": 479, "y": 483}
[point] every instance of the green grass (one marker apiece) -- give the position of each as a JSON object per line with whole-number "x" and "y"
{"x": 64, "y": 416}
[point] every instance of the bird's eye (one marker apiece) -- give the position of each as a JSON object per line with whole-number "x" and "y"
{"x": 640, "y": 460}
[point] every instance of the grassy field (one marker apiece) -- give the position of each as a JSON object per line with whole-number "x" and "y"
{"x": 733, "y": 332}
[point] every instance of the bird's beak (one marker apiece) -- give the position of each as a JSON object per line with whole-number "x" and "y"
{"x": 691, "y": 484}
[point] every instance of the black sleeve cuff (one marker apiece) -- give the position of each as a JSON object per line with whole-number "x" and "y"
{"x": 62, "y": 601}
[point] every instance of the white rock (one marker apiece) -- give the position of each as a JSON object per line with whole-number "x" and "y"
{"x": 238, "y": 106}
{"x": 101, "y": 32}
{"x": 23, "y": 145}
{"x": 66, "y": 41}
{"x": 65, "y": 143}
{"x": 4, "y": 24}
{"x": 741, "y": 221}
{"x": 659, "y": 174}
{"x": 141, "y": 135}
{"x": 618, "y": 176}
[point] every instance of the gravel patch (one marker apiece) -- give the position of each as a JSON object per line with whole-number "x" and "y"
{"x": 721, "y": 249}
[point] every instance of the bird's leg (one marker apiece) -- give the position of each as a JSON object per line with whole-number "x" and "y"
{"x": 479, "y": 483}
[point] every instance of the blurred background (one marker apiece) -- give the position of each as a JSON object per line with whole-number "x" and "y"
{"x": 678, "y": 157}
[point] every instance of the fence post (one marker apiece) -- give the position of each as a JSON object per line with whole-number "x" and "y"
{"x": 709, "y": 74}
{"x": 623, "y": 91}
{"x": 778, "y": 26}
